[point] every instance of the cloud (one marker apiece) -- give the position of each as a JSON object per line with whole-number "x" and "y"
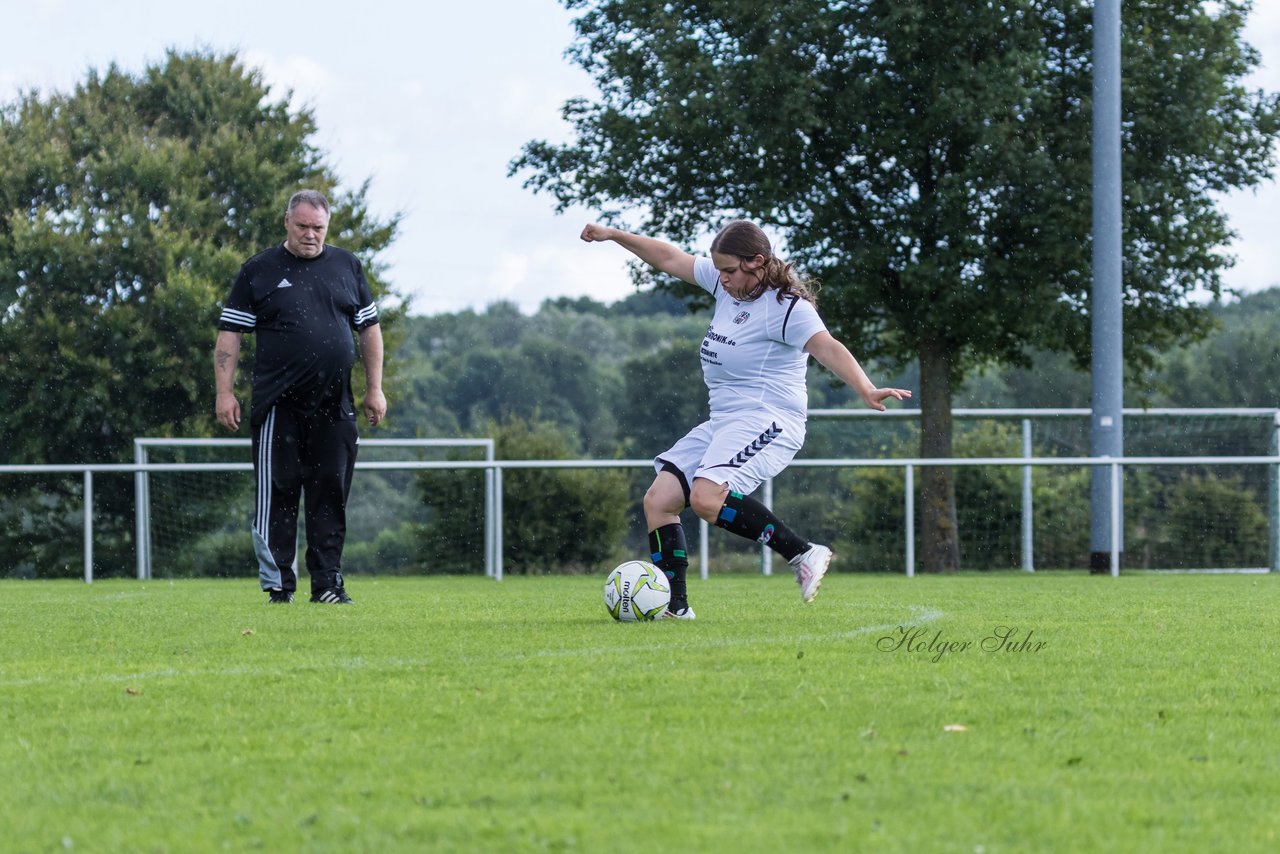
{"x": 1257, "y": 254}
{"x": 548, "y": 271}
{"x": 1252, "y": 212}
{"x": 309, "y": 80}
{"x": 531, "y": 110}
{"x": 1262, "y": 30}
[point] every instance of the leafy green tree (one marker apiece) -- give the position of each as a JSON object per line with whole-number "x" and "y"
{"x": 1238, "y": 365}
{"x": 1051, "y": 380}
{"x": 569, "y": 364}
{"x": 929, "y": 161}
{"x": 538, "y": 378}
{"x": 665, "y": 397}
{"x": 126, "y": 207}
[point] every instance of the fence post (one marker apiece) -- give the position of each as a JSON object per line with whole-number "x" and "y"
{"x": 497, "y": 534}
{"x": 498, "y": 545}
{"x": 140, "y": 506}
{"x": 766, "y": 553}
{"x": 703, "y": 550}
{"x": 1028, "y": 517}
{"x": 489, "y": 561}
{"x": 910, "y": 491}
{"x": 88, "y": 526}
{"x": 1273, "y": 514}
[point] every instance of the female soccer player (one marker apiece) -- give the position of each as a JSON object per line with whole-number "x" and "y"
{"x": 754, "y": 356}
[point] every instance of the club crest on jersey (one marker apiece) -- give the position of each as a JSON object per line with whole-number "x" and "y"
{"x": 742, "y": 317}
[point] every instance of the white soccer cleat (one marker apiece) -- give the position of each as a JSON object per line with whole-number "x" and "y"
{"x": 810, "y": 567}
{"x": 685, "y": 613}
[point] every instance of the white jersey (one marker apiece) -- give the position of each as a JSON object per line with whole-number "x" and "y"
{"x": 753, "y": 357}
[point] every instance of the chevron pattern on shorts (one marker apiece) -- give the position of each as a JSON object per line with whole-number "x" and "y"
{"x": 757, "y": 445}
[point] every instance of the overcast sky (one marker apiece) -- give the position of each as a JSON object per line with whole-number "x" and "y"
{"x": 431, "y": 101}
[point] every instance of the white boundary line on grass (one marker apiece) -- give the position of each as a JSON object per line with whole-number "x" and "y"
{"x": 919, "y": 614}
{"x": 170, "y": 673}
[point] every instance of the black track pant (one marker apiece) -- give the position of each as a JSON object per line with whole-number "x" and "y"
{"x": 301, "y": 455}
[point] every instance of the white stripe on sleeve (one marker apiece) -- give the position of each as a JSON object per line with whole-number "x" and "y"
{"x": 239, "y": 318}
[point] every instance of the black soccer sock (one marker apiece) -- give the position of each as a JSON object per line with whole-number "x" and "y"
{"x": 670, "y": 553}
{"x": 746, "y": 517}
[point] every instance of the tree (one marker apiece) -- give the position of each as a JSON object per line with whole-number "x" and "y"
{"x": 929, "y": 161}
{"x": 665, "y": 397}
{"x": 126, "y": 207}
{"x": 1240, "y": 363}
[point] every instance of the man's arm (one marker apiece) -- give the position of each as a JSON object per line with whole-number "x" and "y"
{"x": 375, "y": 402}
{"x": 226, "y": 355}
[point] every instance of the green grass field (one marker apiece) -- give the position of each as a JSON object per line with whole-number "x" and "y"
{"x": 460, "y": 714}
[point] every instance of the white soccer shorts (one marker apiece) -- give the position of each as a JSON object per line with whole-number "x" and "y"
{"x": 738, "y": 449}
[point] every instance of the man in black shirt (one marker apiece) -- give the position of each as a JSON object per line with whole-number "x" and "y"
{"x": 302, "y": 298}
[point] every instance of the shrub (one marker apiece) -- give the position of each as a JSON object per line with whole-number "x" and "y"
{"x": 554, "y": 520}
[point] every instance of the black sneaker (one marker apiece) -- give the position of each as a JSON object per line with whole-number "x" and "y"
{"x": 276, "y": 596}
{"x": 332, "y": 596}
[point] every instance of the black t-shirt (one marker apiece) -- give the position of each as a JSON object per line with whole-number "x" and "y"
{"x": 303, "y": 310}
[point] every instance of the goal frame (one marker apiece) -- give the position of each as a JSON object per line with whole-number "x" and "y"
{"x": 142, "y": 487}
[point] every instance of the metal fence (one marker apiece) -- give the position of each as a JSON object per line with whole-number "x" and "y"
{"x": 494, "y": 471}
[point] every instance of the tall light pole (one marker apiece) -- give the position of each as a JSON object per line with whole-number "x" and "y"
{"x": 1106, "y": 303}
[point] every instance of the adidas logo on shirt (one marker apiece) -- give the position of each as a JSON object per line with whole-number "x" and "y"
{"x": 285, "y": 283}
